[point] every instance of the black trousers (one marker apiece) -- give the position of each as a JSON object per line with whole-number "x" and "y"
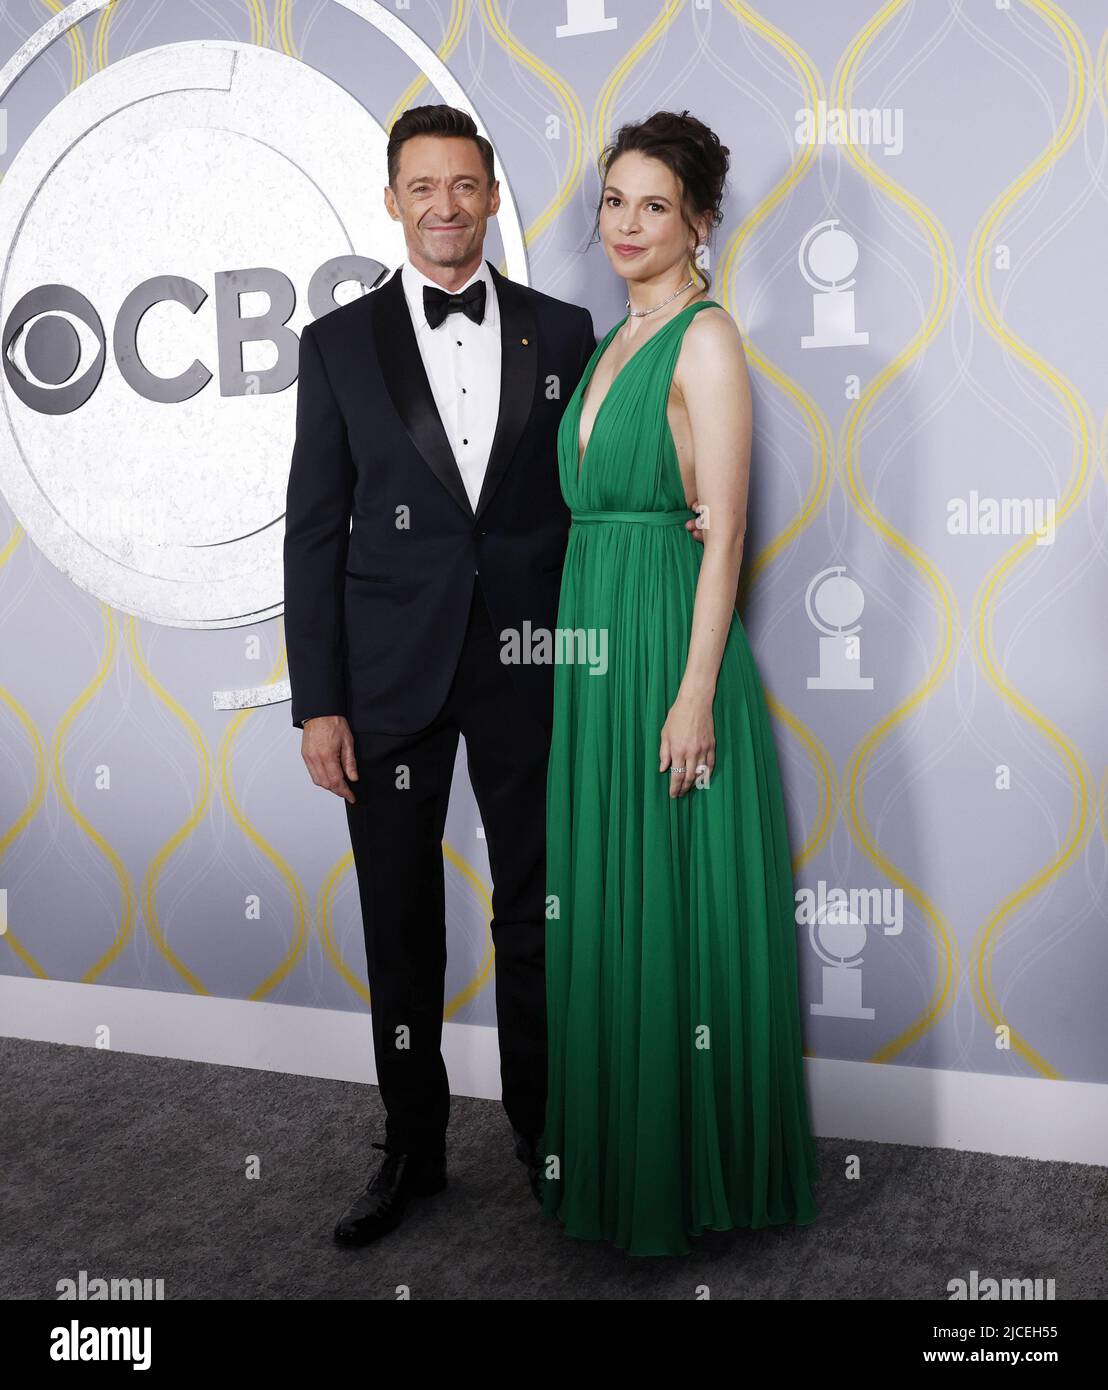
{"x": 396, "y": 830}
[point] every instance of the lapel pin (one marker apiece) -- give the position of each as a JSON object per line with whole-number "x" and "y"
{"x": 523, "y": 341}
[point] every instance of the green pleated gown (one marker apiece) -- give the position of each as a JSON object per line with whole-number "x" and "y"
{"x": 676, "y": 1096}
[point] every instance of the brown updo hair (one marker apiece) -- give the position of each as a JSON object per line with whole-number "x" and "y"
{"x": 691, "y": 150}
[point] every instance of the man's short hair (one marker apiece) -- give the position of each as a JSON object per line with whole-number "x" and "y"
{"x": 436, "y": 120}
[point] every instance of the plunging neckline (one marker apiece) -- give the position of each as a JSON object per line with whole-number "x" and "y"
{"x": 582, "y": 454}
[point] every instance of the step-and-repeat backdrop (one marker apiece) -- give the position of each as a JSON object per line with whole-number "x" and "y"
{"x": 914, "y": 250}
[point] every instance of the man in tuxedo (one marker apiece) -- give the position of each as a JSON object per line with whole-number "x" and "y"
{"x": 424, "y": 516}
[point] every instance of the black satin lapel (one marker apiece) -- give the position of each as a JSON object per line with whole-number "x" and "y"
{"x": 518, "y": 368}
{"x": 406, "y": 380}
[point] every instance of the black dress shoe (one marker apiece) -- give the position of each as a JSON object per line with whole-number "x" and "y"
{"x": 528, "y": 1154}
{"x": 380, "y": 1208}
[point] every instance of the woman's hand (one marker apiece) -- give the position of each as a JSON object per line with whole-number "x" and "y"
{"x": 688, "y": 742}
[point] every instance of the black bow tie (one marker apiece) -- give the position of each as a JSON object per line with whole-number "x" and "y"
{"x": 471, "y": 302}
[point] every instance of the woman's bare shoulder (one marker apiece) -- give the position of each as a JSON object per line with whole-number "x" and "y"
{"x": 712, "y": 347}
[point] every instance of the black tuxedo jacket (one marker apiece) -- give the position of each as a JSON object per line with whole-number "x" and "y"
{"x": 381, "y": 542}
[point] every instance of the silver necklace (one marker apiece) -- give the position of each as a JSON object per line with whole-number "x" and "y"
{"x": 641, "y": 313}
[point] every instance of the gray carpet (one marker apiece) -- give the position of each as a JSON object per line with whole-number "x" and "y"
{"x": 133, "y": 1167}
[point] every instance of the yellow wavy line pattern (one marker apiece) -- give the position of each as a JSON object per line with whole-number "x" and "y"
{"x": 259, "y": 23}
{"x": 1102, "y": 101}
{"x": 602, "y": 112}
{"x": 826, "y": 780}
{"x": 75, "y": 42}
{"x": 948, "y": 967}
{"x": 1102, "y": 804}
{"x": 455, "y": 27}
{"x": 26, "y": 816}
{"x": 484, "y": 970}
{"x": 570, "y": 104}
{"x": 1102, "y": 69}
{"x": 115, "y": 860}
{"x": 1078, "y": 102}
{"x": 284, "y": 27}
{"x": 356, "y": 981}
{"x": 815, "y": 420}
{"x": 324, "y": 915}
{"x": 194, "y": 818}
{"x": 297, "y": 946}
{"x": 100, "y": 35}
{"x": 38, "y": 791}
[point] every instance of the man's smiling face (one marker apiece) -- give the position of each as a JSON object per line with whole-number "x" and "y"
{"x": 444, "y": 199}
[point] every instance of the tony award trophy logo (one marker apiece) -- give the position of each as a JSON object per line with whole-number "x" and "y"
{"x": 584, "y": 17}
{"x": 827, "y": 258}
{"x": 838, "y": 937}
{"x": 834, "y": 604}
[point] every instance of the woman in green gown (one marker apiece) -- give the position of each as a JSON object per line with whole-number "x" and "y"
{"x": 676, "y": 1096}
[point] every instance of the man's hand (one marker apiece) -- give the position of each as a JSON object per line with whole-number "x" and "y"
{"x": 328, "y": 750}
{"x": 693, "y": 527}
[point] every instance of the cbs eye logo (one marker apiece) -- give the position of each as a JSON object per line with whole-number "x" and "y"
{"x": 52, "y": 349}
{"x": 175, "y": 218}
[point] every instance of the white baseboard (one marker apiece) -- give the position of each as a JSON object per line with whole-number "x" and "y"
{"x": 333, "y": 1043}
{"x": 1025, "y": 1116}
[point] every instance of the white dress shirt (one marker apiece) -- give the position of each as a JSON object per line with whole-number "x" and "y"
{"x": 462, "y": 361}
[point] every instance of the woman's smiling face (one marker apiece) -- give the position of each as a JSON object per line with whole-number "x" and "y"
{"x": 642, "y": 226}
